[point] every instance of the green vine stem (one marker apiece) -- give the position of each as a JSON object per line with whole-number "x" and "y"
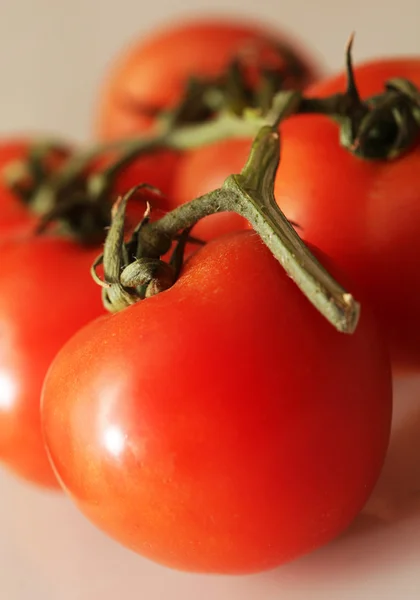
{"x": 128, "y": 275}
{"x": 379, "y": 128}
{"x": 209, "y": 110}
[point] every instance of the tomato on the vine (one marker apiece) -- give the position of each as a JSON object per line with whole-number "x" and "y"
{"x": 151, "y": 75}
{"x": 222, "y": 425}
{"x": 370, "y": 225}
{"x": 363, "y": 213}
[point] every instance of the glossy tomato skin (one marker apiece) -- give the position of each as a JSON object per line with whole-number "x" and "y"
{"x": 153, "y": 72}
{"x": 46, "y": 295}
{"x": 223, "y": 425}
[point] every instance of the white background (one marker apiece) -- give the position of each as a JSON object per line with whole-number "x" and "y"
{"x": 53, "y": 54}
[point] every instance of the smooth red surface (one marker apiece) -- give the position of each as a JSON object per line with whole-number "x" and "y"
{"x": 156, "y": 169}
{"x": 46, "y": 295}
{"x": 205, "y": 169}
{"x": 223, "y": 425}
{"x": 153, "y": 71}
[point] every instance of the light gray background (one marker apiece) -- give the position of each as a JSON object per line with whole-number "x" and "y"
{"x": 53, "y": 54}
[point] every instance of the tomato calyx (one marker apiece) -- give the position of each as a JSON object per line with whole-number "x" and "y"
{"x": 392, "y": 125}
{"x": 250, "y": 81}
{"x": 25, "y": 177}
{"x": 379, "y": 128}
{"x": 129, "y": 278}
{"x": 78, "y": 199}
{"x": 52, "y": 181}
{"x": 133, "y": 272}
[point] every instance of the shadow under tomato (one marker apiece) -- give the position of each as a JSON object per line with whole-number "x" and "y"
{"x": 397, "y": 494}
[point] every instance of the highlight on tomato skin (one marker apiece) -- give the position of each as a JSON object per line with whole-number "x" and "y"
{"x": 221, "y": 426}
{"x": 152, "y": 72}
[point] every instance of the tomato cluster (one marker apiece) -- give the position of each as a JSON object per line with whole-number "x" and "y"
{"x": 215, "y": 421}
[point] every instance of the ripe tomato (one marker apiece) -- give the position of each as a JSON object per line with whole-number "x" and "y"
{"x": 13, "y": 212}
{"x": 152, "y": 73}
{"x": 363, "y": 213}
{"x": 222, "y": 425}
{"x": 46, "y": 294}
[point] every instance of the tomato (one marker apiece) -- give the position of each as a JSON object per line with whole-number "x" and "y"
{"x": 38, "y": 314}
{"x": 222, "y": 425}
{"x": 46, "y": 294}
{"x": 363, "y": 213}
{"x": 152, "y": 73}
{"x": 13, "y": 212}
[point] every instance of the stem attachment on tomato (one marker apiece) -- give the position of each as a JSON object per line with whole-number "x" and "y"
{"x": 251, "y": 194}
{"x": 379, "y": 128}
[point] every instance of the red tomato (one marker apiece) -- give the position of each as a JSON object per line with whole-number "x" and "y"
{"x": 152, "y": 73}
{"x": 13, "y": 212}
{"x": 223, "y": 425}
{"x": 46, "y": 295}
{"x": 363, "y": 213}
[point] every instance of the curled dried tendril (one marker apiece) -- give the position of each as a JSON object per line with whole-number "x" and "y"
{"x": 133, "y": 269}
{"x": 384, "y": 126}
